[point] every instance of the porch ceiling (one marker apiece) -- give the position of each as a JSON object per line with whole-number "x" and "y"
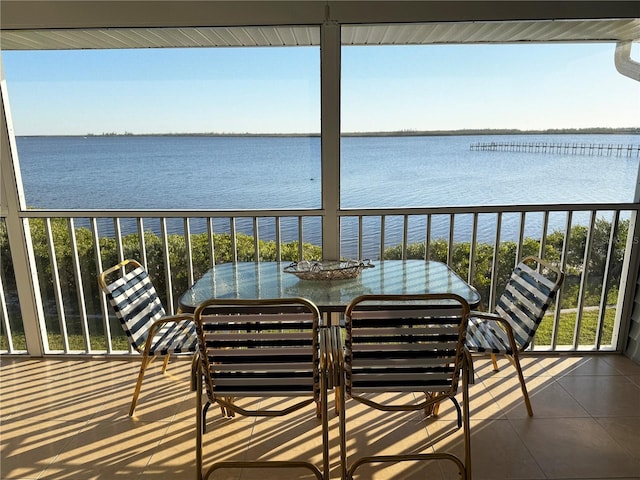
{"x": 610, "y": 30}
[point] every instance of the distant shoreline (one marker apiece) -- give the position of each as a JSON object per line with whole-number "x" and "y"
{"x": 400, "y": 133}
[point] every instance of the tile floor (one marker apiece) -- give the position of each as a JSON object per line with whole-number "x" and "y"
{"x": 64, "y": 419}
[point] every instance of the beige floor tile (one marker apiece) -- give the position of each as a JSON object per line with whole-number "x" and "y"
{"x": 390, "y": 436}
{"x": 161, "y": 395}
{"x": 626, "y": 431}
{"x": 295, "y": 437}
{"x": 531, "y": 366}
{"x": 623, "y": 364}
{"x": 604, "y": 395}
{"x": 297, "y": 473}
{"x": 107, "y": 450}
{"x": 175, "y": 456}
{"x": 548, "y": 400}
{"x": 592, "y": 365}
{"x": 483, "y": 368}
{"x": 406, "y": 470}
{"x": 496, "y": 451}
{"x": 481, "y": 403}
{"x": 28, "y": 448}
{"x": 361, "y": 411}
{"x": 58, "y": 401}
{"x": 507, "y": 392}
{"x": 574, "y": 448}
{"x": 561, "y": 365}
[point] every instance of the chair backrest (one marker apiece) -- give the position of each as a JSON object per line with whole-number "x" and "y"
{"x": 266, "y": 347}
{"x": 404, "y": 343}
{"x": 527, "y": 296}
{"x": 134, "y": 300}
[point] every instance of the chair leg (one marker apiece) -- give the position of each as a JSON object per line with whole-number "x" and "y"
{"x": 324, "y": 418}
{"x": 465, "y": 418}
{"x": 136, "y": 393}
{"x": 199, "y": 422}
{"x": 525, "y": 394}
{"x": 195, "y": 361}
{"x": 431, "y": 409}
{"x": 342, "y": 424}
{"x": 494, "y": 361}
{"x": 166, "y": 362}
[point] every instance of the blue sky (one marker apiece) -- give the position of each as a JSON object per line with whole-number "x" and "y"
{"x": 277, "y": 90}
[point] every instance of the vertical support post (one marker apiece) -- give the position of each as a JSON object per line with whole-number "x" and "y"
{"x": 12, "y": 203}
{"x": 630, "y": 271}
{"x": 330, "y": 137}
{"x": 631, "y": 266}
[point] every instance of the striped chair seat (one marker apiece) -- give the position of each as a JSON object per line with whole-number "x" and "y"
{"x": 512, "y": 326}
{"x": 143, "y": 318}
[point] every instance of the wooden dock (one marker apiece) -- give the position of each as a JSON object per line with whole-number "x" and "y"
{"x": 599, "y": 149}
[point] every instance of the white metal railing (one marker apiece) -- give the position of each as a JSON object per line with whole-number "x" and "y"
{"x": 592, "y": 245}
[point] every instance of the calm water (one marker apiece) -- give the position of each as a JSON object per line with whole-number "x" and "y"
{"x": 284, "y": 172}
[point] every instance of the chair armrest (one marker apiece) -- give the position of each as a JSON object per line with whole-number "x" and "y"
{"x": 485, "y": 315}
{"x": 492, "y": 317}
{"x": 325, "y": 348}
{"x": 155, "y": 326}
{"x": 169, "y": 319}
{"x": 506, "y": 326}
{"x": 335, "y": 349}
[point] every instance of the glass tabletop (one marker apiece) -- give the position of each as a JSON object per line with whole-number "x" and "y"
{"x": 268, "y": 280}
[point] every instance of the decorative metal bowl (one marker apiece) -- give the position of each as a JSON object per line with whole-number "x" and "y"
{"x": 315, "y": 270}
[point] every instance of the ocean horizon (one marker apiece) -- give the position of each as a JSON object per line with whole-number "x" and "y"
{"x": 389, "y": 133}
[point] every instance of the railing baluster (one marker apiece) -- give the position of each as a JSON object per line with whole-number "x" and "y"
{"x": 563, "y": 265}
{"x": 103, "y": 301}
{"x": 256, "y": 239}
{"x": 119, "y": 248}
{"x": 300, "y": 236}
{"x": 278, "y": 241}
{"x": 584, "y": 279}
{"x": 520, "y": 245}
{"x": 142, "y": 242}
{"x": 472, "y": 249}
{"x": 360, "y": 230}
{"x": 494, "y": 266}
{"x": 383, "y": 219}
{"x": 234, "y": 244}
{"x": 451, "y": 239}
{"x": 4, "y": 312}
{"x": 543, "y": 235}
{"x": 427, "y": 246}
{"x": 77, "y": 274}
{"x": 212, "y": 247}
{"x": 53, "y": 259}
{"x": 118, "y": 234}
{"x": 405, "y": 236}
{"x": 187, "y": 249}
{"x": 167, "y": 265}
{"x": 605, "y": 280}
{"x": 5, "y": 319}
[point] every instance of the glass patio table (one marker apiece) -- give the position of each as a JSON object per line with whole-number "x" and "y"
{"x": 247, "y": 280}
